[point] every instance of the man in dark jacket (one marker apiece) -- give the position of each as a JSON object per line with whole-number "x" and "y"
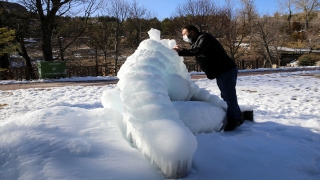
{"x": 215, "y": 62}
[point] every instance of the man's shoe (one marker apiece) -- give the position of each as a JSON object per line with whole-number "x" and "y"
{"x": 232, "y": 124}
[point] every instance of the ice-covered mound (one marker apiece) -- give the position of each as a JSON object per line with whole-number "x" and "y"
{"x": 157, "y": 64}
{"x": 152, "y": 79}
{"x": 149, "y": 80}
{"x": 199, "y": 116}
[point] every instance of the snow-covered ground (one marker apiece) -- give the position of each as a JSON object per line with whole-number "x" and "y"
{"x": 297, "y": 50}
{"x": 72, "y": 79}
{"x": 66, "y": 133}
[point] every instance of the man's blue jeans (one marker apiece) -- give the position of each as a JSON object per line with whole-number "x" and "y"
{"x": 227, "y": 85}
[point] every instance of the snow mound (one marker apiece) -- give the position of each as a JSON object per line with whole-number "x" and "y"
{"x": 68, "y": 143}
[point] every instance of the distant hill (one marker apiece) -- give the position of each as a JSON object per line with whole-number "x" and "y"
{"x": 12, "y": 7}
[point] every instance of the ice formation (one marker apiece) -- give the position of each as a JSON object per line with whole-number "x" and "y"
{"x": 154, "y": 93}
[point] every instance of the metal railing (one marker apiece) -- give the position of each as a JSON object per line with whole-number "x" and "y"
{"x": 255, "y": 64}
{"x": 19, "y": 73}
{"x": 25, "y": 73}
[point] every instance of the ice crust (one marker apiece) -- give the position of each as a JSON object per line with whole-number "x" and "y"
{"x": 152, "y": 91}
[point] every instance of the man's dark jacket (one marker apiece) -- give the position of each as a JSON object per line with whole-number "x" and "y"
{"x": 210, "y": 55}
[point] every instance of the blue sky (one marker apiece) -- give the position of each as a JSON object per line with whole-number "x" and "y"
{"x": 165, "y": 8}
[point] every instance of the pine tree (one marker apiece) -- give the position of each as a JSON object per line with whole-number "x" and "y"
{"x": 7, "y": 44}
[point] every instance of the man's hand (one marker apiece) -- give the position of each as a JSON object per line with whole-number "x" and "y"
{"x": 177, "y": 48}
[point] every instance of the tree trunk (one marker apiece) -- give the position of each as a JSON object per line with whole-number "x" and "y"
{"x": 96, "y": 68}
{"x": 105, "y": 56}
{"x": 289, "y": 18}
{"x": 264, "y": 62}
{"x": 47, "y": 51}
{"x": 24, "y": 54}
{"x": 269, "y": 57}
{"x": 61, "y": 49}
{"x": 116, "y": 64}
{"x": 116, "y": 50}
{"x": 46, "y": 41}
{"x": 306, "y": 26}
{"x": 4, "y": 61}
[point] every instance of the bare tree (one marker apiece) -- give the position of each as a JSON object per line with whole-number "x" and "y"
{"x": 308, "y": 7}
{"x": 196, "y": 12}
{"x": 267, "y": 38}
{"x": 238, "y": 27}
{"x": 287, "y": 5}
{"x": 67, "y": 30}
{"x": 229, "y": 25}
{"x": 120, "y": 10}
{"x": 137, "y": 22}
{"x": 249, "y": 14}
{"x": 100, "y": 33}
{"x": 204, "y": 14}
{"x": 47, "y": 12}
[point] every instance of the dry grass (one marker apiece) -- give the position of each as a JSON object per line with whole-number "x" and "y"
{"x": 296, "y": 44}
{"x": 2, "y": 105}
{"x": 317, "y": 47}
{"x": 314, "y": 56}
{"x": 42, "y": 89}
{"x": 6, "y": 93}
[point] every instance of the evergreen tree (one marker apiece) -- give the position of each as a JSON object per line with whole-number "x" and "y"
{"x": 7, "y": 44}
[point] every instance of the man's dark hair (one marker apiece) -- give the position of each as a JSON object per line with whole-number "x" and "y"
{"x": 191, "y": 27}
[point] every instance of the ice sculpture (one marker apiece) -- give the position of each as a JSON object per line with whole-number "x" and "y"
{"x": 154, "y": 94}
